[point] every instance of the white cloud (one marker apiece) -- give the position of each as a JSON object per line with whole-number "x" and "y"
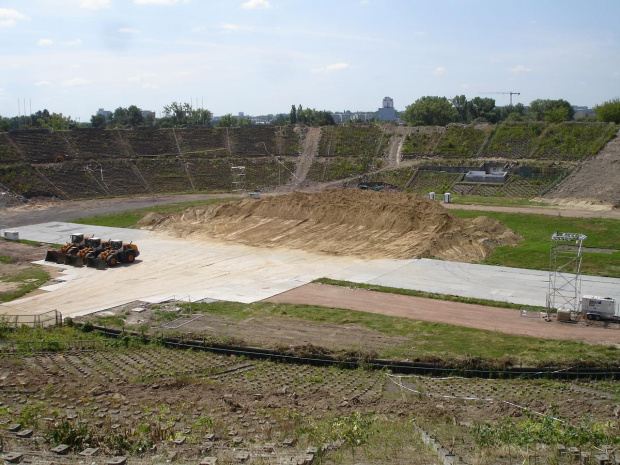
{"x": 73, "y": 42}
{"x": 76, "y": 82}
{"x": 616, "y": 74}
{"x": 331, "y": 68}
{"x": 45, "y": 42}
{"x": 199, "y": 29}
{"x": 235, "y": 27}
{"x": 464, "y": 86}
{"x": 440, "y": 71}
{"x": 128, "y": 30}
{"x": 43, "y": 83}
{"x": 94, "y": 4}
{"x": 519, "y": 69}
{"x": 9, "y": 17}
{"x": 255, "y": 4}
{"x": 156, "y": 2}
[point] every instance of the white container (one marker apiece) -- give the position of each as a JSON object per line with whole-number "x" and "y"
{"x": 431, "y": 195}
{"x": 447, "y": 197}
{"x": 602, "y": 305}
{"x": 11, "y": 235}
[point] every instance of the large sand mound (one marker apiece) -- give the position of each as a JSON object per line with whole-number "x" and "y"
{"x": 343, "y": 222}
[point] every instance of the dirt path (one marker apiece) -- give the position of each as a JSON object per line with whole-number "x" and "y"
{"x": 396, "y": 146}
{"x": 46, "y": 211}
{"x": 459, "y": 314}
{"x": 309, "y": 150}
{"x": 550, "y": 211}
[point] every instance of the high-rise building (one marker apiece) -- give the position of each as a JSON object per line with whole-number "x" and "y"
{"x": 387, "y": 111}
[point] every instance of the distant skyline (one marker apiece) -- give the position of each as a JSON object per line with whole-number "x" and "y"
{"x": 261, "y": 56}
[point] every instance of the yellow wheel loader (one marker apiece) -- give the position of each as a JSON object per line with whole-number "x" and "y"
{"x": 70, "y": 249}
{"x": 117, "y": 252}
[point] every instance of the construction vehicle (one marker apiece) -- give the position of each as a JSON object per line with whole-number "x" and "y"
{"x": 92, "y": 248}
{"x": 596, "y": 308}
{"x": 71, "y": 248}
{"x": 115, "y": 252}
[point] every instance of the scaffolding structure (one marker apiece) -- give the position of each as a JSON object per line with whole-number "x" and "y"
{"x": 565, "y": 271}
{"x": 238, "y": 178}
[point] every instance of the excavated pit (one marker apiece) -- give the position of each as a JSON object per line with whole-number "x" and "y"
{"x": 342, "y": 222}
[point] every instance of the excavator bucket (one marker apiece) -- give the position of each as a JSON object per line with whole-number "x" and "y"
{"x": 95, "y": 263}
{"x": 74, "y": 260}
{"x": 55, "y": 256}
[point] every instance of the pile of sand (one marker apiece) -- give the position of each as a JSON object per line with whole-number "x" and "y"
{"x": 342, "y": 222}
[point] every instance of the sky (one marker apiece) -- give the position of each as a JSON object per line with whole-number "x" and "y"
{"x": 261, "y": 56}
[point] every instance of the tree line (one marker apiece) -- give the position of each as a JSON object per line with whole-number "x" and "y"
{"x": 439, "y": 111}
{"x": 425, "y": 111}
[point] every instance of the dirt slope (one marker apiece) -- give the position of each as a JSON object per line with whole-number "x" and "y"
{"x": 343, "y": 222}
{"x": 597, "y": 178}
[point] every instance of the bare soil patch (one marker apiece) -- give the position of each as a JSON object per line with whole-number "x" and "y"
{"x": 22, "y": 252}
{"x": 596, "y": 178}
{"x": 343, "y": 222}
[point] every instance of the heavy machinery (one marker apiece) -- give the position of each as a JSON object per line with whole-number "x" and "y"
{"x": 91, "y": 250}
{"x": 600, "y": 309}
{"x": 71, "y": 248}
{"x": 115, "y": 252}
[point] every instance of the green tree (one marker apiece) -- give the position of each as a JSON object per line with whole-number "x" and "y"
{"x": 183, "y": 114}
{"x": 539, "y": 108}
{"x": 134, "y": 115}
{"x": 98, "y": 121}
{"x": 56, "y": 122}
{"x": 281, "y": 119}
{"x": 227, "y": 121}
{"x": 608, "y": 111}
{"x": 293, "y": 115}
{"x": 430, "y": 111}
{"x": 556, "y": 115}
{"x": 512, "y": 112}
{"x": 5, "y": 124}
{"x": 120, "y": 118}
{"x": 312, "y": 117}
{"x": 461, "y": 105}
{"x": 483, "y": 109}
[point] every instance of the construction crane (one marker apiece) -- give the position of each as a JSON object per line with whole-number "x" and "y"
{"x": 504, "y": 93}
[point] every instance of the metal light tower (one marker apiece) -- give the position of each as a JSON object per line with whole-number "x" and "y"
{"x": 238, "y": 178}
{"x": 564, "y": 271}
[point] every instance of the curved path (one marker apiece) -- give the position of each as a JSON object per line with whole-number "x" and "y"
{"x": 502, "y": 320}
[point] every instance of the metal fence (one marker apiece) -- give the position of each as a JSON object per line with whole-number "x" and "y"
{"x": 42, "y": 320}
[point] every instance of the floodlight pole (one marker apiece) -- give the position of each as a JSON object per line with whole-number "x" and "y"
{"x": 565, "y": 271}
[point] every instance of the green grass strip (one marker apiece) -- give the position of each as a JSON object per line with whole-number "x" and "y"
{"x": 129, "y": 219}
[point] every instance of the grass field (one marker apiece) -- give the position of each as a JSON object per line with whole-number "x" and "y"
{"x": 536, "y": 231}
{"x": 130, "y": 218}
